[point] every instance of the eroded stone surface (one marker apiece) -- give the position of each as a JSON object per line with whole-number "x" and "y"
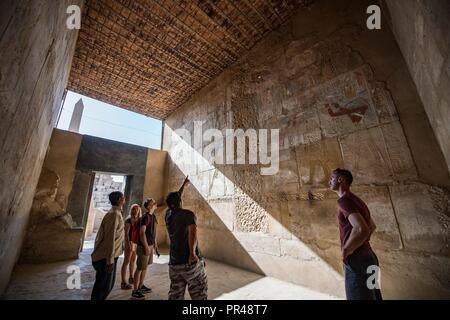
{"x": 34, "y": 67}
{"x": 424, "y": 217}
{"x": 365, "y": 155}
{"x": 52, "y": 234}
{"x": 317, "y": 161}
{"x": 387, "y": 234}
{"x": 328, "y": 91}
{"x": 427, "y": 62}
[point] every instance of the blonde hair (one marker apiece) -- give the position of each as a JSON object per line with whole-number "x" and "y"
{"x": 147, "y": 202}
{"x": 131, "y": 210}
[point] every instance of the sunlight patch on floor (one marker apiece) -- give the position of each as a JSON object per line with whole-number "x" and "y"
{"x": 268, "y": 288}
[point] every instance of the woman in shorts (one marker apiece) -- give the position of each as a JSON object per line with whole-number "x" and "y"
{"x": 132, "y": 227}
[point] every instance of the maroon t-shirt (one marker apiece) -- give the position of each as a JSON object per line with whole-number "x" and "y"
{"x": 347, "y": 204}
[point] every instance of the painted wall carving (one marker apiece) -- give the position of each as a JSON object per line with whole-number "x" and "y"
{"x": 328, "y": 93}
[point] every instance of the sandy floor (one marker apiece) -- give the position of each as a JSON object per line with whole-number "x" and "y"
{"x": 49, "y": 282}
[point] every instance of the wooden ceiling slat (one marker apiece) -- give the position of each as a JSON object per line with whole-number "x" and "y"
{"x": 159, "y": 20}
{"x": 151, "y": 56}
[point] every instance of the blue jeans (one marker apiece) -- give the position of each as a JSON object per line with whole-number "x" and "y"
{"x": 357, "y": 276}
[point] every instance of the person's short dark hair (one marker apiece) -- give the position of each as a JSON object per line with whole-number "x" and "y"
{"x": 173, "y": 200}
{"x": 114, "y": 197}
{"x": 346, "y": 174}
{"x": 146, "y": 202}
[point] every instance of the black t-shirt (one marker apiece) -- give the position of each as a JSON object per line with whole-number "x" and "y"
{"x": 177, "y": 223}
{"x": 149, "y": 220}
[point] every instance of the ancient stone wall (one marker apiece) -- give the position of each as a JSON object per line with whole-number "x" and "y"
{"x": 61, "y": 158}
{"x": 63, "y": 203}
{"x": 51, "y": 235}
{"x": 155, "y": 187}
{"x": 99, "y": 205}
{"x": 422, "y": 29}
{"x": 104, "y": 184}
{"x": 341, "y": 96}
{"x": 107, "y": 156}
{"x": 36, "y": 55}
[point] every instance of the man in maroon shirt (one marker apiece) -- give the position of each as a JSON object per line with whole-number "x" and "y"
{"x": 355, "y": 227}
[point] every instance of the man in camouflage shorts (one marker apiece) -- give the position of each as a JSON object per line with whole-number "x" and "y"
{"x": 193, "y": 276}
{"x": 186, "y": 265}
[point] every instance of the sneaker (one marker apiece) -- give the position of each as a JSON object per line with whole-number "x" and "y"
{"x": 125, "y": 286}
{"x": 145, "y": 290}
{"x": 137, "y": 294}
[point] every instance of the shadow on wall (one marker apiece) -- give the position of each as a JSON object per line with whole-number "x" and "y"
{"x": 288, "y": 235}
{"x": 247, "y": 233}
{"x": 214, "y": 228}
{"x": 327, "y": 92}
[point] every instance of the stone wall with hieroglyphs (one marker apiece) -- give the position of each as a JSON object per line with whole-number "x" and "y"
{"x": 341, "y": 97}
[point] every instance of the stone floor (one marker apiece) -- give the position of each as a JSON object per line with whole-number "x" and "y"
{"x": 49, "y": 282}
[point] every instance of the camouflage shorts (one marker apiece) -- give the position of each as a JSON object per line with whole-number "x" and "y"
{"x": 192, "y": 276}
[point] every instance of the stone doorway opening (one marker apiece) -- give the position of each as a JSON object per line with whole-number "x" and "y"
{"x": 99, "y": 205}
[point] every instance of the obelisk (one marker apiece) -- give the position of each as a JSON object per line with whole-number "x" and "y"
{"x": 75, "y": 121}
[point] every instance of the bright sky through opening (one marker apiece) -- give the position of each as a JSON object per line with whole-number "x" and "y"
{"x": 107, "y": 121}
